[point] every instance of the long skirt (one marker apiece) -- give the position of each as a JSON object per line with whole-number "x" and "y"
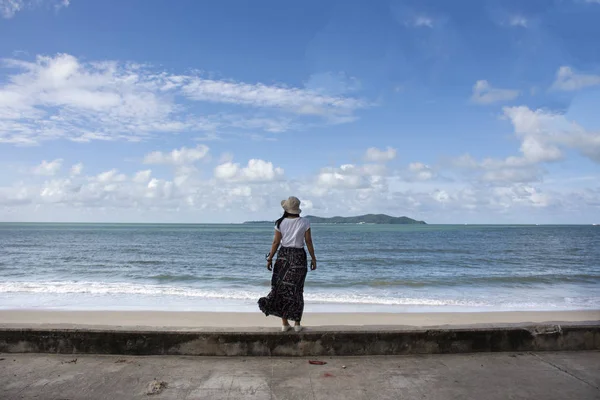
{"x": 286, "y": 299}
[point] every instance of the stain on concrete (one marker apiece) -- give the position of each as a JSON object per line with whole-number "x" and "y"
{"x": 314, "y": 343}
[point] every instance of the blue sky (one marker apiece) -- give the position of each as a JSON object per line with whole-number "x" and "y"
{"x": 188, "y": 111}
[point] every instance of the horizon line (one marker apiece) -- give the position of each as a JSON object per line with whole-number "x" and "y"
{"x": 260, "y": 221}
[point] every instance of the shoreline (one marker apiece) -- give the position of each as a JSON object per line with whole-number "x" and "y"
{"x": 177, "y": 320}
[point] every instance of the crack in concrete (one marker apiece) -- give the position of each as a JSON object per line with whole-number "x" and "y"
{"x": 558, "y": 367}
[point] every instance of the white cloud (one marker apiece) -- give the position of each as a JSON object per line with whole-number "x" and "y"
{"x": 76, "y": 169}
{"x": 63, "y": 97}
{"x": 544, "y": 133}
{"x": 544, "y": 136}
{"x": 350, "y": 176}
{"x": 142, "y": 176}
{"x": 373, "y": 154}
{"x": 111, "y": 176}
{"x": 340, "y": 178}
{"x": 441, "y": 196}
{"x": 225, "y": 157}
{"x": 536, "y": 150}
{"x": 420, "y": 171}
{"x": 271, "y": 125}
{"x": 307, "y": 205}
{"x": 484, "y": 93}
{"x": 227, "y": 170}
{"x": 8, "y": 8}
{"x": 259, "y": 170}
{"x": 159, "y": 189}
{"x": 423, "y": 21}
{"x": 519, "y": 194}
{"x": 587, "y": 143}
{"x": 569, "y": 80}
{"x": 507, "y": 175}
{"x": 239, "y": 193}
{"x": 54, "y": 191}
{"x": 465, "y": 161}
{"x": 509, "y": 170}
{"x": 48, "y": 168}
{"x": 114, "y": 195}
{"x": 295, "y": 100}
{"x": 256, "y": 171}
{"x": 518, "y": 20}
{"x": 60, "y": 97}
{"x": 182, "y": 156}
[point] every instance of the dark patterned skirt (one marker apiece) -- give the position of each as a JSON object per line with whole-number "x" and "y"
{"x": 286, "y": 299}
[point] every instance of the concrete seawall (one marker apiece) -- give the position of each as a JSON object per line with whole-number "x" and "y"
{"x": 325, "y": 342}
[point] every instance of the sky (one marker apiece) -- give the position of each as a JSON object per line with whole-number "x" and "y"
{"x": 470, "y": 111}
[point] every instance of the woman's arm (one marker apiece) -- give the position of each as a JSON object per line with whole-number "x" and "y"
{"x": 311, "y": 249}
{"x": 274, "y": 247}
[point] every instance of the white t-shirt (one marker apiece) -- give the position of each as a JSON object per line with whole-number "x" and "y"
{"x": 292, "y": 231}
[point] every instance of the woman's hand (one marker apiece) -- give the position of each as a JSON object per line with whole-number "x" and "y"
{"x": 313, "y": 264}
{"x": 270, "y": 264}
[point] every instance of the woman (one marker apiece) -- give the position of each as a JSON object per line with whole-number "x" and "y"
{"x": 286, "y": 299}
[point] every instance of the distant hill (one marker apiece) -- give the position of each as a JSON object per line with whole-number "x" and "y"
{"x": 361, "y": 219}
{"x": 365, "y": 219}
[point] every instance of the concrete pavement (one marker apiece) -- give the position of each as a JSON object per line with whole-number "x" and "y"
{"x": 481, "y": 376}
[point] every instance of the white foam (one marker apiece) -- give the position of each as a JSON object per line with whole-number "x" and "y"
{"x": 34, "y": 293}
{"x": 125, "y": 288}
{"x": 118, "y": 288}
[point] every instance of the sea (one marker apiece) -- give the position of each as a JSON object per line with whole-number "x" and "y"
{"x": 361, "y": 268}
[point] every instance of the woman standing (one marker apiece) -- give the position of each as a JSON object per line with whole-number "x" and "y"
{"x": 286, "y": 299}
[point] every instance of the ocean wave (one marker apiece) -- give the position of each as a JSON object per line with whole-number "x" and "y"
{"x": 125, "y": 288}
{"x": 420, "y": 251}
{"x": 146, "y": 262}
{"x": 24, "y": 245}
{"x": 175, "y": 278}
{"x": 457, "y": 281}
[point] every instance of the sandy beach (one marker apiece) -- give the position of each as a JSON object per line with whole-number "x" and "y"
{"x": 242, "y": 321}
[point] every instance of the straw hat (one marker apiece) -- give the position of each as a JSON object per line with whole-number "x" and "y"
{"x": 291, "y": 205}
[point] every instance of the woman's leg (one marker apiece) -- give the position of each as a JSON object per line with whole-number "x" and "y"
{"x": 284, "y": 321}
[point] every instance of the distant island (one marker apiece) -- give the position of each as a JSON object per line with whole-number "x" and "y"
{"x": 379, "y": 219}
